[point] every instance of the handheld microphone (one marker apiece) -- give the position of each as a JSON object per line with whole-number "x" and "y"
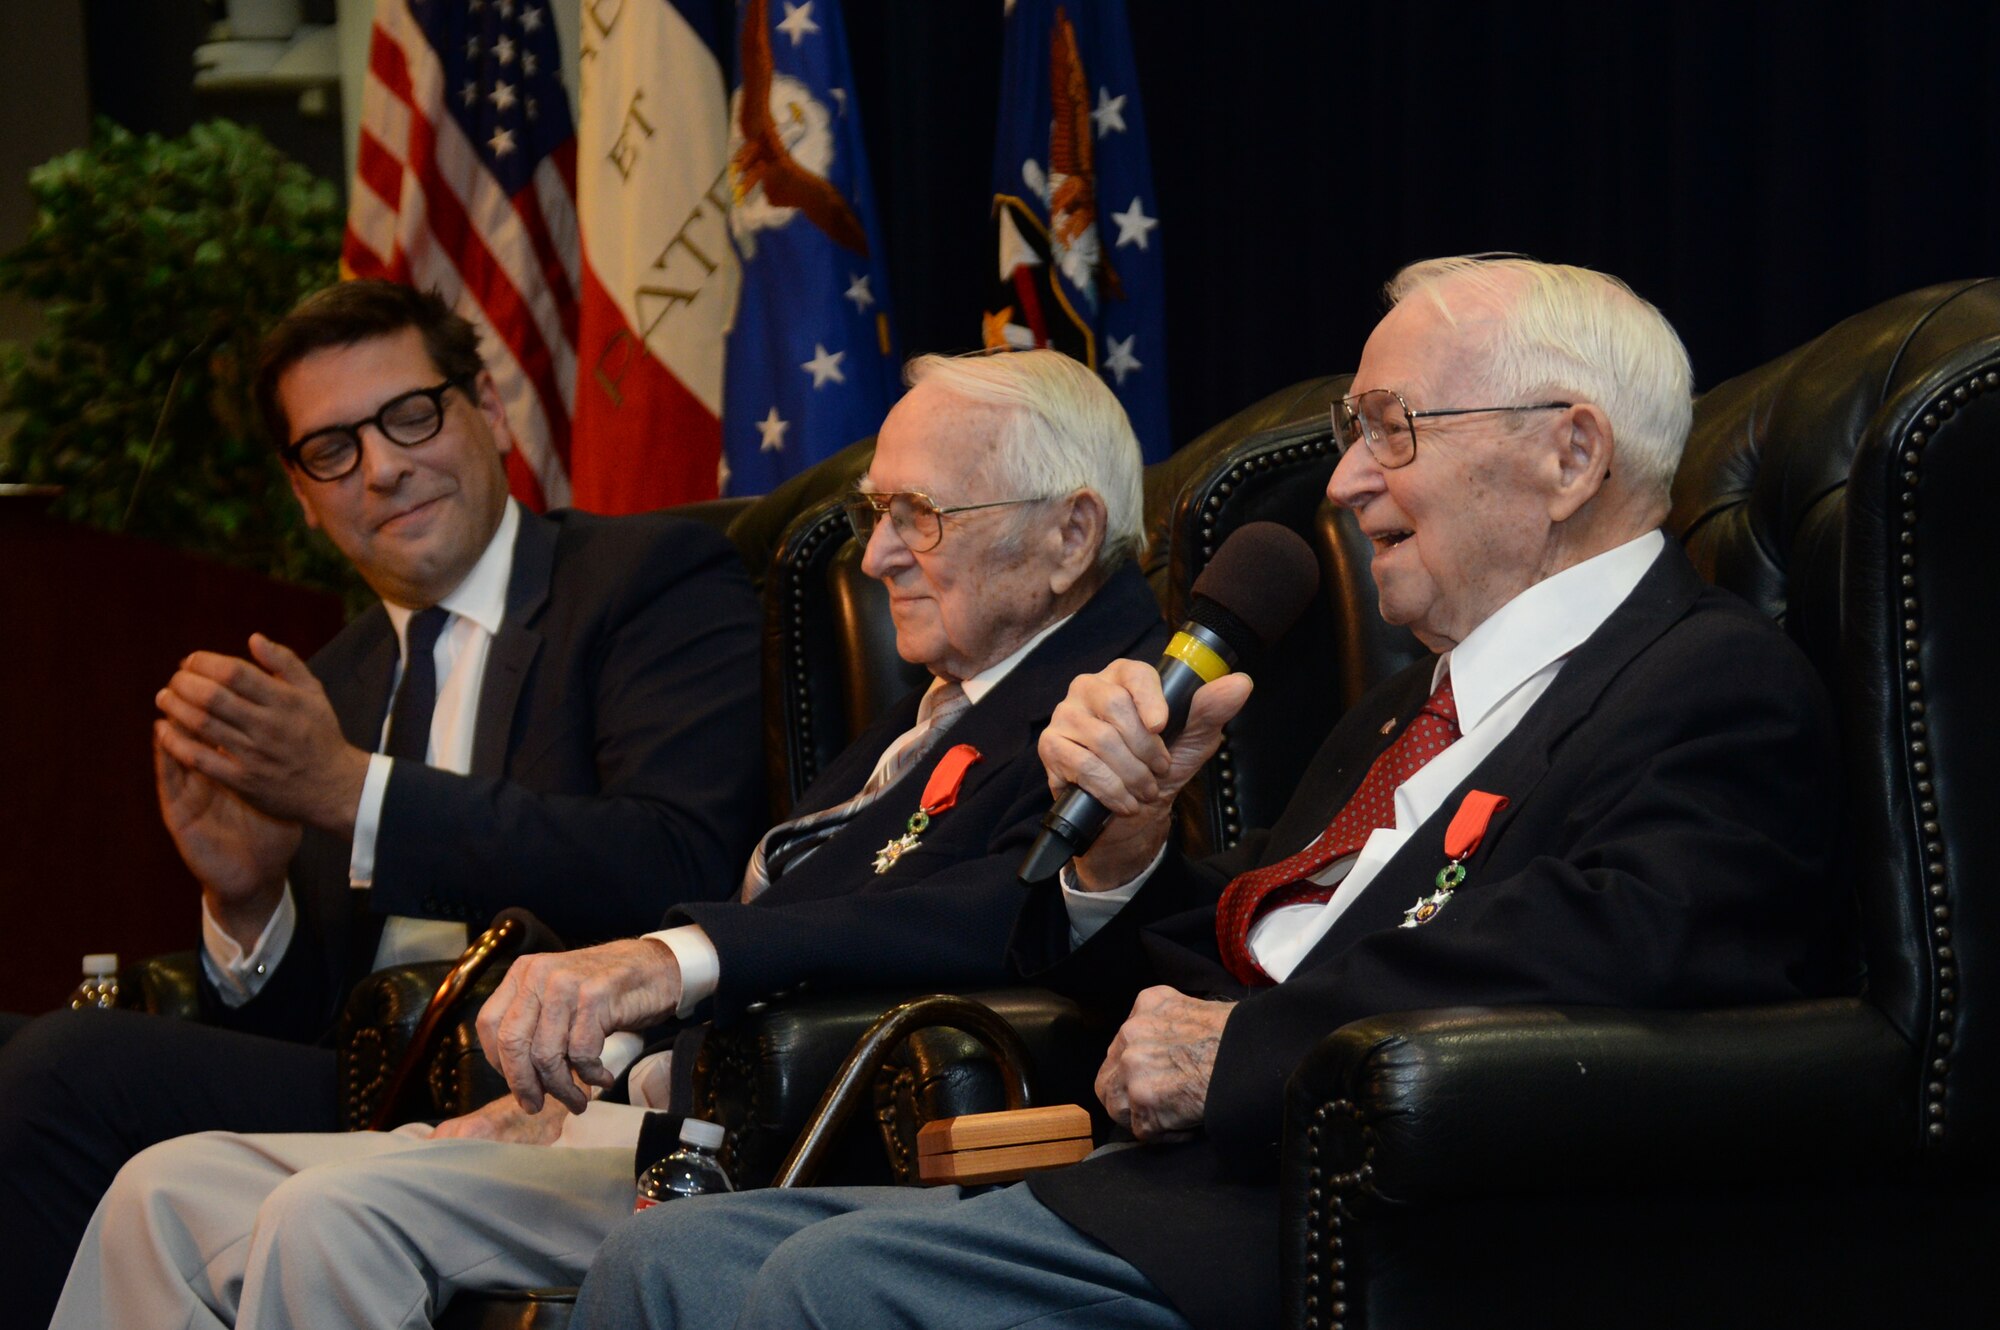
{"x": 1251, "y": 592}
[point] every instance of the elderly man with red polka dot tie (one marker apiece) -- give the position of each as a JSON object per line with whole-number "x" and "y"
{"x": 1610, "y": 785}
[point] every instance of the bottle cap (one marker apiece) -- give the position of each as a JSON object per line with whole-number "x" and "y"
{"x": 100, "y": 962}
{"x": 701, "y": 1135}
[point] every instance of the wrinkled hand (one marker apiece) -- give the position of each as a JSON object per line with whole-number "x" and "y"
{"x": 544, "y": 1027}
{"x": 1154, "y": 1080}
{"x": 264, "y": 729}
{"x": 237, "y": 853}
{"x": 505, "y": 1121}
{"x": 1104, "y": 737}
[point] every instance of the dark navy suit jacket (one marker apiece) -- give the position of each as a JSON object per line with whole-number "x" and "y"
{"x": 616, "y": 765}
{"x": 941, "y": 916}
{"x": 1673, "y": 804}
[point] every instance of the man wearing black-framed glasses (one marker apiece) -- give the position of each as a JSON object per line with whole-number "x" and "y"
{"x": 545, "y": 711}
{"x": 1011, "y": 491}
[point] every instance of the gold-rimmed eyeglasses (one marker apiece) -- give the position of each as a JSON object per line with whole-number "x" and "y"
{"x": 1382, "y": 420}
{"x": 917, "y": 518}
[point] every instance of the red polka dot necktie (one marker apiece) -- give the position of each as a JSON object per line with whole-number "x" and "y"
{"x": 1373, "y": 806}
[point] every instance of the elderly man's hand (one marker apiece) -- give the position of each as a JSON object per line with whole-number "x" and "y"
{"x": 505, "y": 1121}
{"x": 264, "y": 729}
{"x": 1154, "y": 1080}
{"x": 1104, "y": 738}
{"x": 237, "y": 853}
{"x": 545, "y": 1026}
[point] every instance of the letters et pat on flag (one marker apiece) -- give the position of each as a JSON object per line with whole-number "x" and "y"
{"x": 660, "y": 276}
{"x": 465, "y": 182}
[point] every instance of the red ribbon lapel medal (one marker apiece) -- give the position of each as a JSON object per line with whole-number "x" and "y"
{"x": 939, "y": 794}
{"x": 1461, "y": 838}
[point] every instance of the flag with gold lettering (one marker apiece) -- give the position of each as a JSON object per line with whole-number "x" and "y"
{"x": 1076, "y": 224}
{"x": 811, "y": 363}
{"x": 659, "y": 273}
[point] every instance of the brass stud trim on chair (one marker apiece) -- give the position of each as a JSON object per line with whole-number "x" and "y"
{"x": 1936, "y": 873}
{"x": 1328, "y": 1214}
{"x": 799, "y": 729}
{"x": 1281, "y": 451}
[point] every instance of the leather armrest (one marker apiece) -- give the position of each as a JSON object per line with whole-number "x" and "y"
{"x": 1418, "y": 1107}
{"x": 168, "y": 985}
{"x": 763, "y": 1075}
{"x": 378, "y": 1023}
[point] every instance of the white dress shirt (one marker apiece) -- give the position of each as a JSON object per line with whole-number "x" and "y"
{"x": 1498, "y": 672}
{"x": 477, "y": 605}
{"x": 701, "y": 967}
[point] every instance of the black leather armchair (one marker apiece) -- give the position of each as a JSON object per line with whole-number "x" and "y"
{"x": 1817, "y": 1163}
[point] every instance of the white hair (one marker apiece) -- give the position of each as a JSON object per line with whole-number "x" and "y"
{"x": 1064, "y": 432}
{"x": 1570, "y": 332}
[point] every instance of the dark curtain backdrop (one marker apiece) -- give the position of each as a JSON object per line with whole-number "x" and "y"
{"x": 1759, "y": 171}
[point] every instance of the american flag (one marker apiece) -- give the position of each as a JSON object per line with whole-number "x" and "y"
{"x": 465, "y": 181}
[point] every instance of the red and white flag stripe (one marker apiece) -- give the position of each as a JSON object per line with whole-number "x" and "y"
{"x": 425, "y": 210}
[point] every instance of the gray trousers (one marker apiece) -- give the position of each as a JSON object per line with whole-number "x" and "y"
{"x": 866, "y": 1258}
{"x": 358, "y": 1229}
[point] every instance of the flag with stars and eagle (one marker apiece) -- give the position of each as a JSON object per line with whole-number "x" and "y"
{"x": 1077, "y": 227}
{"x": 811, "y": 363}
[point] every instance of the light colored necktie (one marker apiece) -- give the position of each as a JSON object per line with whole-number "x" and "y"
{"x": 788, "y": 844}
{"x": 1373, "y": 806}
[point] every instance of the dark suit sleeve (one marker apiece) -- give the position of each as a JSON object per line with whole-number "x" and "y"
{"x": 644, "y": 786}
{"x": 948, "y": 927}
{"x": 1124, "y": 956}
{"x": 1681, "y": 862}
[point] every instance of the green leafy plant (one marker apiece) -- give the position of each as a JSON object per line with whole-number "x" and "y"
{"x": 162, "y": 262}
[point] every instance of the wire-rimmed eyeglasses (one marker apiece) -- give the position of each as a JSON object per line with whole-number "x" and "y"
{"x": 917, "y": 518}
{"x": 1382, "y": 420}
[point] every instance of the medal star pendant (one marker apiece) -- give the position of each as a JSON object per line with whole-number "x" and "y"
{"x": 886, "y": 857}
{"x": 1461, "y": 838}
{"x": 1428, "y": 907}
{"x": 940, "y": 794}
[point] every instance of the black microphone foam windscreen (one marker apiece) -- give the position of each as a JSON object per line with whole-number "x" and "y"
{"x": 1264, "y": 575}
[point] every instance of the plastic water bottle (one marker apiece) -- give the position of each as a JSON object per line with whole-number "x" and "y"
{"x": 100, "y": 982}
{"x": 692, "y": 1170}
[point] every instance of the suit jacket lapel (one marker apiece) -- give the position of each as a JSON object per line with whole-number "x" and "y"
{"x": 515, "y": 646}
{"x": 1514, "y": 768}
{"x": 360, "y": 695}
{"x": 1365, "y": 732}
{"x": 1004, "y": 725}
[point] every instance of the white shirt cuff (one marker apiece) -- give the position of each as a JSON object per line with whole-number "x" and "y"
{"x": 237, "y": 974}
{"x": 368, "y": 820}
{"x": 701, "y": 967}
{"x": 1092, "y": 910}
{"x": 602, "y": 1126}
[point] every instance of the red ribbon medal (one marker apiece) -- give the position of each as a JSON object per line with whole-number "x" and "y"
{"x": 940, "y": 793}
{"x": 1461, "y": 838}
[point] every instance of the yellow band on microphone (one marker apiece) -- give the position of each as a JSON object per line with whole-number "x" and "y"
{"x": 1197, "y": 656}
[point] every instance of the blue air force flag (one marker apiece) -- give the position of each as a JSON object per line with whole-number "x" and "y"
{"x": 1078, "y": 232}
{"x": 811, "y": 363}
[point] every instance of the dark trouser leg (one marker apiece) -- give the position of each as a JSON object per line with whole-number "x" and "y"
{"x": 83, "y": 1091}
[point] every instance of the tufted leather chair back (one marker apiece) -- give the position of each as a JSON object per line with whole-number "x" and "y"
{"x": 1843, "y": 488}
{"x": 1271, "y": 462}
{"x": 830, "y": 662}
